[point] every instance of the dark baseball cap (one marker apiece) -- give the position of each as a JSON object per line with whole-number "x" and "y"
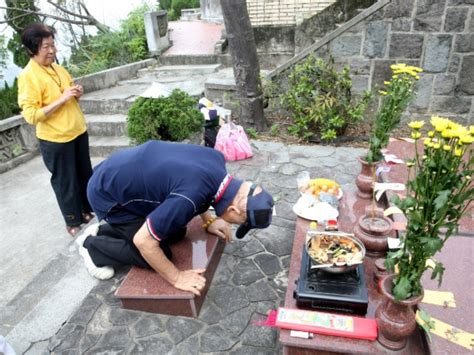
{"x": 259, "y": 212}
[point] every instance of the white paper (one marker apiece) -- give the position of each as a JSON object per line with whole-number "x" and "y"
{"x": 393, "y": 243}
{"x": 156, "y": 90}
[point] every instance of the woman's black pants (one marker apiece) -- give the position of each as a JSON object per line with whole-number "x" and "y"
{"x": 70, "y": 167}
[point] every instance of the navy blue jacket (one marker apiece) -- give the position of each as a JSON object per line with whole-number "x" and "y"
{"x": 166, "y": 183}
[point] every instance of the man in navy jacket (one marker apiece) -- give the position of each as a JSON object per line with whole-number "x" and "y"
{"x": 149, "y": 193}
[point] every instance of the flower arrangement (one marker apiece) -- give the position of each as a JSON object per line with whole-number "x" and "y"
{"x": 438, "y": 195}
{"x": 398, "y": 93}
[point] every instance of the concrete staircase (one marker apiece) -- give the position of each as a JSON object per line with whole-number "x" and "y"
{"x": 106, "y": 109}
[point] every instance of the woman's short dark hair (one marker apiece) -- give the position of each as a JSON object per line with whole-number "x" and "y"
{"x": 33, "y": 35}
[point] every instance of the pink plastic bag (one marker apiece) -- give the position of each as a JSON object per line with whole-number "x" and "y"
{"x": 232, "y": 141}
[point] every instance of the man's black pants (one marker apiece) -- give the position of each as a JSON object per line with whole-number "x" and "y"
{"x": 113, "y": 245}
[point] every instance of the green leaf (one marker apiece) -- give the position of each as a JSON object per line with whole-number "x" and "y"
{"x": 402, "y": 288}
{"x": 442, "y": 199}
{"x": 438, "y": 272}
{"x": 431, "y": 244}
{"x": 425, "y": 323}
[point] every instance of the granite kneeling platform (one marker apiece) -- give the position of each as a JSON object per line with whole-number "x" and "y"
{"x": 145, "y": 290}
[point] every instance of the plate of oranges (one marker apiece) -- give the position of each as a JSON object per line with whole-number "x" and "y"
{"x": 319, "y": 185}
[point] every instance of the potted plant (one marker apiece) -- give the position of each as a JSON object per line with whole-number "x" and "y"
{"x": 439, "y": 191}
{"x": 398, "y": 93}
{"x": 373, "y": 227}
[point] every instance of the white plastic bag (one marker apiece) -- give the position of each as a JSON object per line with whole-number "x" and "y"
{"x": 232, "y": 141}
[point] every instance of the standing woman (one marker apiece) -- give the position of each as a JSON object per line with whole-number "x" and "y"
{"x": 48, "y": 98}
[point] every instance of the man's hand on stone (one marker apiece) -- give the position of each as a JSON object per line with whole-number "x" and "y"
{"x": 191, "y": 280}
{"x": 222, "y": 229}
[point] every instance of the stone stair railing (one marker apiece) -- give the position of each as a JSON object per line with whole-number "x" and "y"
{"x": 328, "y": 38}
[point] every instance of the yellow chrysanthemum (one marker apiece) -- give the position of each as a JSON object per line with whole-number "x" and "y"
{"x": 415, "y": 135}
{"x": 447, "y": 147}
{"x": 471, "y": 129}
{"x": 387, "y": 82}
{"x": 426, "y": 141}
{"x": 439, "y": 123}
{"x": 458, "y": 151}
{"x": 436, "y": 145}
{"x": 466, "y": 139}
{"x": 453, "y": 125}
{"x": 416, "y": 125}
{"x": 398, "y": 66}
{"x": 431, "y": 134}
{"x": 447, "y": 133}
{"x": 459, "y": 132}
{"x": 383, "y": 93}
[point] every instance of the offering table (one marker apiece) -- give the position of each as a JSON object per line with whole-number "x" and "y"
{"x": 350, "y": 209}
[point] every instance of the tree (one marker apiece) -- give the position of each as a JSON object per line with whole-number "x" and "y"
{"x": 245, "y": 62}
{"x": 20, "y": 13}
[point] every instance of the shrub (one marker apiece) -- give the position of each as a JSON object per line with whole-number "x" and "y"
{"x": 174, "y": 7}
{"x": 321, "y": 101}
{"x": 111, "y": 49}
{"x": 9, "y": 101}
{"x": 171, "y": 118}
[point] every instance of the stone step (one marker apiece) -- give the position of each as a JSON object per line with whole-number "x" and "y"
{"x": 145, "y": 290}
{"x": 184, "y": 59}
{"x": 193, "y": 86}
{"x": 106, "y": 125}
{"x": 114, "y": 100}
{"x": 104, "y": 146}
{"x": 178, "y": 70}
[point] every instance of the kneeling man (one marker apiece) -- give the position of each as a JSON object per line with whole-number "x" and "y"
{"x": 149, "y": 193}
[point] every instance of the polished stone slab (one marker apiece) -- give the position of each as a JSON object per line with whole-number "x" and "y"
{"x": 458, "y": 278}
{"x": 351, "y": 208}
{"x": 145, "y": 290}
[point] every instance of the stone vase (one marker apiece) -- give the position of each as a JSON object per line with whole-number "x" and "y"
{"x": 365, "y": 180}
{"x": 395, "y": 319}
{"x": 373, "y": 229}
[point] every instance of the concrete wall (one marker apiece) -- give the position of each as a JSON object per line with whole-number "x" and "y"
{"x": 283, "y": 12}
{"x": 268, "y": 12}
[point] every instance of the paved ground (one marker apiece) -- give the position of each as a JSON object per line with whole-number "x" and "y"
{"x": 193, "y": 37}
{"x": 49, "y": 304}
{"x": 77, "y": 314}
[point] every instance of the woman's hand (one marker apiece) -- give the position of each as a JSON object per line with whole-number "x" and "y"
{"x": 221, "y": 228}
{"x": 79, "y": 91}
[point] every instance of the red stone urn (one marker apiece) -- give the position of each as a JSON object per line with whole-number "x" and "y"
{"x": 372, "y": 229}
{"x": 366, "y": 179}
{"x": 395, "y": 319}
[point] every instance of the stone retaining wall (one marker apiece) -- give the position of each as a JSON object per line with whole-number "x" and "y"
{"x": 435, "y": 35}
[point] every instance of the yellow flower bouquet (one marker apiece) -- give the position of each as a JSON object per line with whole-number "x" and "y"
{"x": 439, "y": 193}
{"x": 398, "y": 93}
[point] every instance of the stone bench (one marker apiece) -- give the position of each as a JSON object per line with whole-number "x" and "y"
{"x": 145, "y": 290}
